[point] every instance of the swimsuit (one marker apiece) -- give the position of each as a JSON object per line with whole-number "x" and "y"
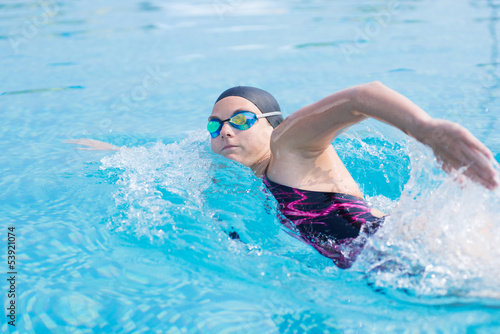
{"x": 329, "y": 222}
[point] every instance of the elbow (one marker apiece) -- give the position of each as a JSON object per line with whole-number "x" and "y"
{"x": 371, "y": 86}
{"x": 363, "y": 91}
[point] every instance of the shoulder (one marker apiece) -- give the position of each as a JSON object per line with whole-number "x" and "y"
{"x": 303, "y": 169}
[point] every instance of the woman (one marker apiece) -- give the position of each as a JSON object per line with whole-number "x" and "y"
{"x": 300, "y": 167}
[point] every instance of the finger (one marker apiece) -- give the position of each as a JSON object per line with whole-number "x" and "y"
{"x": 473, "y": 171}
{"x": 469, "y": 152}
{"x": 450, "y": 162}
{"x": 479, "y": 146}
{"x": 483, "y": 172}
{"x": 474, "y": 143}
{"x": 464, "y": 156}
{"x": 480, "y": 164}
{"x": 489, "y": 183}
{"x": 478, "y": 175}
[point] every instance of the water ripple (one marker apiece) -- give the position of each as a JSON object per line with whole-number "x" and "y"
{"x": 41, "y": 90}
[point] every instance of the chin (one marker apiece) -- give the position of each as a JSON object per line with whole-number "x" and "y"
{"x": 236, "y": 158}
{"x": 231, "y": 156}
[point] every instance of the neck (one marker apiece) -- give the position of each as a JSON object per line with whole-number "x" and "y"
{"x": 259, "y": 168}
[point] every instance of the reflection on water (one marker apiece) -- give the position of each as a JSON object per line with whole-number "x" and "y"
{"x": 139, "y": 240}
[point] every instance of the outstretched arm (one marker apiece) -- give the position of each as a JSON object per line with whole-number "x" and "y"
{"x": 93, "y": 145}
{"x": 310, "y": 130}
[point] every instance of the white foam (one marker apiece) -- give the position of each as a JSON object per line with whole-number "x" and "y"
{"x": 442, "y": 238}
{"x": 160, "y": 186}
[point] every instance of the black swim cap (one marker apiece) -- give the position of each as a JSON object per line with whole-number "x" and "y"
{"x": 262, "y": 100}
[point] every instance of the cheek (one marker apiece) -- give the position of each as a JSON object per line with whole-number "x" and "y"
{"x": 256, "y": 143}
{"x": 262, "y": 138}
{"x": 213, "y": 144}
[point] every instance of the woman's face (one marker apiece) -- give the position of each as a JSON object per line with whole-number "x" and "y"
{"x": 245, "y": 146}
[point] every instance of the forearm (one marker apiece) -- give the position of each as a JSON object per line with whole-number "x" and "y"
{"x": 312, "y": 128}
{"x": 382, "y": 103}
{"x": 451, "y": 143}
{"x": 93, "y": 145}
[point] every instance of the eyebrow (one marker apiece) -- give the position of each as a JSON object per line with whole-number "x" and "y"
{"x": 237, "y": 110}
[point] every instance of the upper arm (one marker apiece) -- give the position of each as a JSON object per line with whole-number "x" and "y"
{"x": 311, "y": 129}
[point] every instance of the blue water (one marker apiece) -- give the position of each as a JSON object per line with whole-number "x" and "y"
{"x": 137, "y": 241}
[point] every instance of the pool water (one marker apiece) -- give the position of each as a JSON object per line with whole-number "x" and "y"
{"x": 137, "y": 241}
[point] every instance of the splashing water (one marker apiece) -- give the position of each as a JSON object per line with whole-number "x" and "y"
{"x": 441, "y": 239}
{"x": 160, "y": 188}
{"x": 184, "y": 197}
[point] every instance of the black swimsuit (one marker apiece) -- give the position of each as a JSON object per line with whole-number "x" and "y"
{"x": 329, "y": 222}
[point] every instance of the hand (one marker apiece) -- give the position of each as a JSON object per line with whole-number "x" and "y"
{"x": 456, "y": 147}
{"x": 93, "y": 145}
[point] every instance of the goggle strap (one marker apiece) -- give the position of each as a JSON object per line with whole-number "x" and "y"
{"x": 269, "y": 114}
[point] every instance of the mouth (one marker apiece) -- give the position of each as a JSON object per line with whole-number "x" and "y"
{"x": 227, "y": 147}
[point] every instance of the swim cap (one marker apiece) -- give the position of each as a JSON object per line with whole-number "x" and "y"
{"x": 262, "y": 100}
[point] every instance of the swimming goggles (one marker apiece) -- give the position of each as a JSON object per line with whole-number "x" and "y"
{"x": 242, "y": 120}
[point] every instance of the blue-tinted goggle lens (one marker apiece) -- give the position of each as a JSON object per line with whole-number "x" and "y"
{"x": 242, "y": 120}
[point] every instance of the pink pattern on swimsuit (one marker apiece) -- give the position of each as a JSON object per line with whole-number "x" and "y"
{"x": 335, "y": 224}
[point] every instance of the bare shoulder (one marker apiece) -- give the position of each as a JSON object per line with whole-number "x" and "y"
{"x": 322, "y": 172}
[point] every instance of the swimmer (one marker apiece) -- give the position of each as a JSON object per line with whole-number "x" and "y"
{"x": 300, "y": 167}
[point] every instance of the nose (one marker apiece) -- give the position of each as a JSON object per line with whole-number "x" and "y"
{"x": 227, "y": 130}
